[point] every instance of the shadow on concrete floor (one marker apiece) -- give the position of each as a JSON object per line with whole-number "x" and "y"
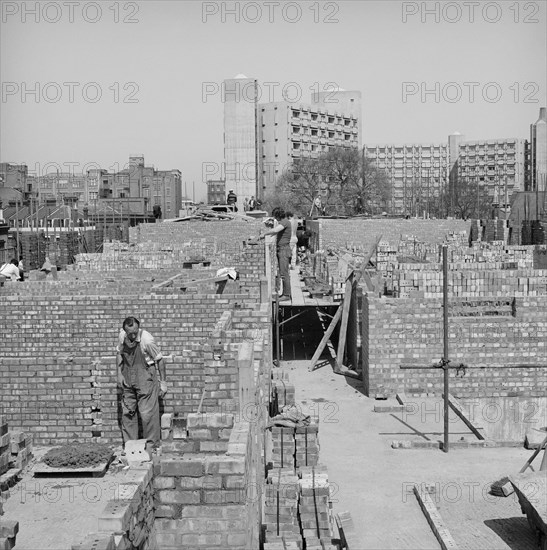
{"x": 515, "y": 532}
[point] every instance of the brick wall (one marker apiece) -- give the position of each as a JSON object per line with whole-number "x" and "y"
{"x": 128, "y": 518}
{"x": 232, "y": 231}
{"x": 409, "y": 331}
{"x": 57, "y": 361}
{"x": 364, "y": 233}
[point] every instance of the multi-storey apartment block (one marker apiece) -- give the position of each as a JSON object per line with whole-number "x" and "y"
{"x": 417, "y": 174}
{"x": 498, "y": 165}
{"x": 289, "y": 131}
{"x": 262, "y": 140}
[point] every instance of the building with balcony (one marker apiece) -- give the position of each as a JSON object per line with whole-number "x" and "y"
{"x": 263, "y": 139}
{"x": 417, "y": 174}
{"x": 289, "y": 131}
{"x": 497, "y": 165}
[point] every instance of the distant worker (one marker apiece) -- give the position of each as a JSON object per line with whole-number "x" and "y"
{"x": 21, "y": 271}
{"x": 317, "y": 204}
{"x": 11, "y": 270}
{"x": 283, "y": 232}
{"x": 139, "y": 361}
{"x": 231, "y": 199}
{"x": 294, "y": 239}
{"x": 246, "y": 204}
{"x": 252, "y": 203}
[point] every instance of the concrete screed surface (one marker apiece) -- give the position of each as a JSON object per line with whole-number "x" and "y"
{"x": 374, "y": 482}
{"x": 55, "y": 512}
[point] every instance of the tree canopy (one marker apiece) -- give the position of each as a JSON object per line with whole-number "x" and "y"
{"x": 347, "y": 183}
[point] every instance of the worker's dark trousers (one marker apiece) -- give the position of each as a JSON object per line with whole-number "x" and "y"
{"x": 140, "y": 392}
{"x": 284, "y": 255}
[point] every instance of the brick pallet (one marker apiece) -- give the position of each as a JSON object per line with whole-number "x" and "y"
{"x": 281, "y": 504}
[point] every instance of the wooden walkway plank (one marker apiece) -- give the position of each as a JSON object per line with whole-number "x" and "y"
{"x": 435, "y": 520}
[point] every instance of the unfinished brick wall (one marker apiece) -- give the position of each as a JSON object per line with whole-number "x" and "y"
{"x": 490, "y": 336}
{"x": 128, "y": 518}
{"x": 220, "y": 231}
{"x": 57, "y": 361}
{"x": 343, "y": 233}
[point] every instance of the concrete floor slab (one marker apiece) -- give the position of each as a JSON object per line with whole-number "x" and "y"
{"x": 372, "y": 480}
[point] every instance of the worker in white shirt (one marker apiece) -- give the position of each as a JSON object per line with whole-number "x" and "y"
{"x": 11, "y": 270}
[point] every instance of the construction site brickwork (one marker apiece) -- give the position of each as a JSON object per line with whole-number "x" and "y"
{"x": 223, "y": 479}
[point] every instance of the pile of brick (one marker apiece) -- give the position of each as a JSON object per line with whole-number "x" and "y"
{"x": 306, "y": 446}
{"x": 281, "y": 506}
{"x": 469, "y": 284}
{"x": 283, "y": 394}
{"x": 21, "y": 449}
{"x": 5, "y": 445}
{"x": 8, "y": 532}
{"x": 313, "y": 508}
{"x": 127, "y": 521}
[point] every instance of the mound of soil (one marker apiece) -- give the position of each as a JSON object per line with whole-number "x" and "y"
{"x": 77, "y": 455}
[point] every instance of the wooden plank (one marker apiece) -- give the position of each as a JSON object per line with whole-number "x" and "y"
{"x": 528, "y": 463}
{"x": 531, "y": 490}
{"x": 325, "y": 338}
{"x": 296, "y": 288}
{"x": 186, "y": 284}
{"x": 439, "y": 528}
{"x": 41, "y": 468}
{"x": 344, "y": 323}
{"x": 338, "y": 315}
{"x": 457, "y": 408}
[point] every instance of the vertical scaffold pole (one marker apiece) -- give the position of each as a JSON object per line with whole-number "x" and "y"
{"x": 445, "y": 344}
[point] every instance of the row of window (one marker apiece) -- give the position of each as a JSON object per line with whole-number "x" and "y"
{"x": 322, "y": 117}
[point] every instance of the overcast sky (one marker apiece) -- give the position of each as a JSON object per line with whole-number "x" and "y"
{"x": 145, "y": 77}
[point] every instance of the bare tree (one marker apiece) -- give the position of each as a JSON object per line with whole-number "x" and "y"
{"x": 347, "y": 183}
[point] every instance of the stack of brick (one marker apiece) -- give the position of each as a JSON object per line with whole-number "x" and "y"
{"x": 283, "y": 447}
{"x": 283, "y": 394}
{"x": 288, "y": 542}
{"x": 33, "y": 247}
{"x": 5, "y": 445}
{"x": 8, "y": 533}
{"x": 281, "y": 505}
{"x": 127, "y": 522}
{"x": 307, "y": 446}
{"x": 313, "y": 508}
{"x": 21, "y": 449}
{"x": 294, "y": 447}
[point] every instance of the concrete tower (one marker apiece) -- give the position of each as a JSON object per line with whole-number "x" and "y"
{"x": 240, "y": 136}
{"x": 538, "y": 151}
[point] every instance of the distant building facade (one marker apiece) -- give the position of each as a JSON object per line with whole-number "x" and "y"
{"x": 417, "y": 174}
{"x": 498, "y": 165}
{"x": 15, "y": 176}
{"x": 538, "y": 152}
{"x": 261, "y": 140}
{"x": 161, "y": 188}
{"x": 216, "y": 192}
{"x": 291, "y": 131}
{"x": 240, "y": 136}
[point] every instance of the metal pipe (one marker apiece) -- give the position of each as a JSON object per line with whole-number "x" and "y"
{"x": 277, "y": 327}
{"x": 445, "y": 344}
